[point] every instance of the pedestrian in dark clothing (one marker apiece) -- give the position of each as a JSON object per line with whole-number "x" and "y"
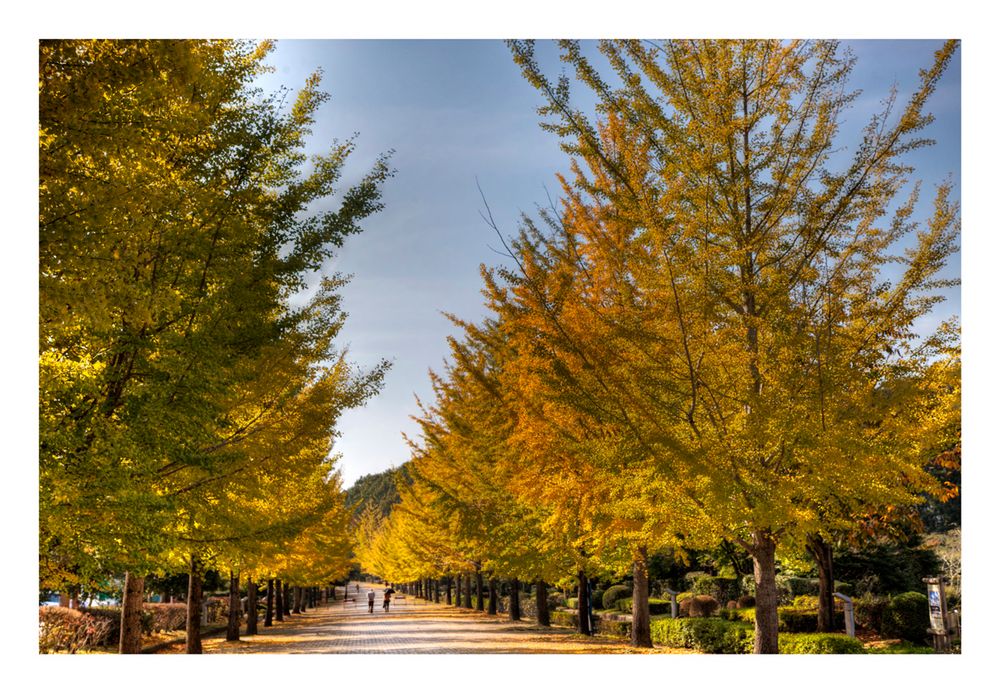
{"x": 386, "y": 596}
{"x": 371, "y": 600}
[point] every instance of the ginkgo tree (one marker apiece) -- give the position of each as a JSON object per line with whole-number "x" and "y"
{"x": 177, "y": 218}
{"x": 768, "y": 303}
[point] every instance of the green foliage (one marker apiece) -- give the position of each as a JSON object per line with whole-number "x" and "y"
{"x": 886, "y": 568}
{"x": 613, "y": 594}
{"x": 901, "y": 648}
{"x": 710, "y": 635}
{"x": 868, "y": 611}
{"x": 573, "y": 602}
{"x": 722, "y": 589}
{"x": 906, "y": 616}
{"x": 656, "y": 606}
{"x": 597, "y": 598}
{"x": 607, "y": 626}
{"x": 379, "y": 490}
{"x": 818, "y": 643}
{"x": 746, "y": 615}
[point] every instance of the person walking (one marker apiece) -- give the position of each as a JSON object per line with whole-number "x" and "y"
{"x": 371, "y": 600}
{"x": 386, "y": 596}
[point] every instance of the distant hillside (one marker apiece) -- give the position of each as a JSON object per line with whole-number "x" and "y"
{"x": 379, "y": 489}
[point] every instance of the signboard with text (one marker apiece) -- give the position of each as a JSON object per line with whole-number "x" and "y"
{"x": 936, "y": 605}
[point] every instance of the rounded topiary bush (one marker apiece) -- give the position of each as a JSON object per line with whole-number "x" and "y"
{"x": 746, "y": 601}
{"x": 731, "y": 604}
{"x": 906, "y": 616}
{"x": 613, "y": 594}
{"x": 597, "y": 598}
{"x": 702, "y": 605}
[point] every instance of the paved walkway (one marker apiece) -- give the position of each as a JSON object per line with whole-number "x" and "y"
{"x": 413, "y": 626}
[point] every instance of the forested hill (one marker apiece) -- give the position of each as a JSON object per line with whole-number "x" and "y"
{"x": 379, "y": 488}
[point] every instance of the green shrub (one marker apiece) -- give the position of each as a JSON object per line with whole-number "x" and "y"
{"x": 573, "y": 603}
{"x": 571, "y": 619}
{"x": 656, "y": 606}
{"x": 901, "y": 648}
{"x": 613, "y": 594}
{"x": 721, "y": 589}
{"x": 613, "y": 627}
{"x": 806, "y": 601}
{"x": 564, "y": 618}
{"x": 703, "y": 606}
{"x": 597, "y": 598}
{"x": 745, "y": 615}
{"x": 60, "y": 628}
{"x": 792, "y": 620}
{"x": 711, "y": 635}
{"x": 906, "y": 617}
{"x": 868, "y": 611}
{"x": 818, "y": 643}
{"x": 795, "y": 620}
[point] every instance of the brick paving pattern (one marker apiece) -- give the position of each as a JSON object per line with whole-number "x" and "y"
{"x": 412, "y": 626}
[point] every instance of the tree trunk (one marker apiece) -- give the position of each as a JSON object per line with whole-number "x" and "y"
{"x": 269, "y": 611}
{"x": 437, "y": 591}
{"x": 233, "y": 625}
{"x": 479, "y": 590}
{"x": 822, "y": 553}
{"x": 583, "y": 605}
{"x": 542, "y": 602}
{"x": 640, "y": 601}
{"x": 130, "y": 640}
{"x": 515, "y": 600}
{"x": 251, "y": 605}
{"x": 279, "y": 600}
{"x": 492, "y": 608}
{"x": 467, "y": 594}
{"x": 288, "y": 599}
{"x": 765, "y": 640}
{"x": 193, "y": 626}
{"x": 447, "y": 590}
{"x": 296, "y": 601}
{"x": 64, "y": 599}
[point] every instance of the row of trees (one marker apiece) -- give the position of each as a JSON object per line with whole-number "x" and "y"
{"x": 188, "y": 398}
{"x": 711, "y": 339}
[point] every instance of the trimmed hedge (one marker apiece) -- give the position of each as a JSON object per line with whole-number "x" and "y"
{"x": 790, "y": 619}
{"x": 167, "y": 617}
{"x": 818, "y": 643}
{"x": 613, "y": 594}
{"x": 656, "y": 606}
{"x": 61, "y": 628}
{"x": 710, "y": 635}
{"x": 721, "y": 636}
{"x": 613, "y": 627}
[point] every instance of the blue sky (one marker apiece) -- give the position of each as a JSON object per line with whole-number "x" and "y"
{"x": 456, "y": 112}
